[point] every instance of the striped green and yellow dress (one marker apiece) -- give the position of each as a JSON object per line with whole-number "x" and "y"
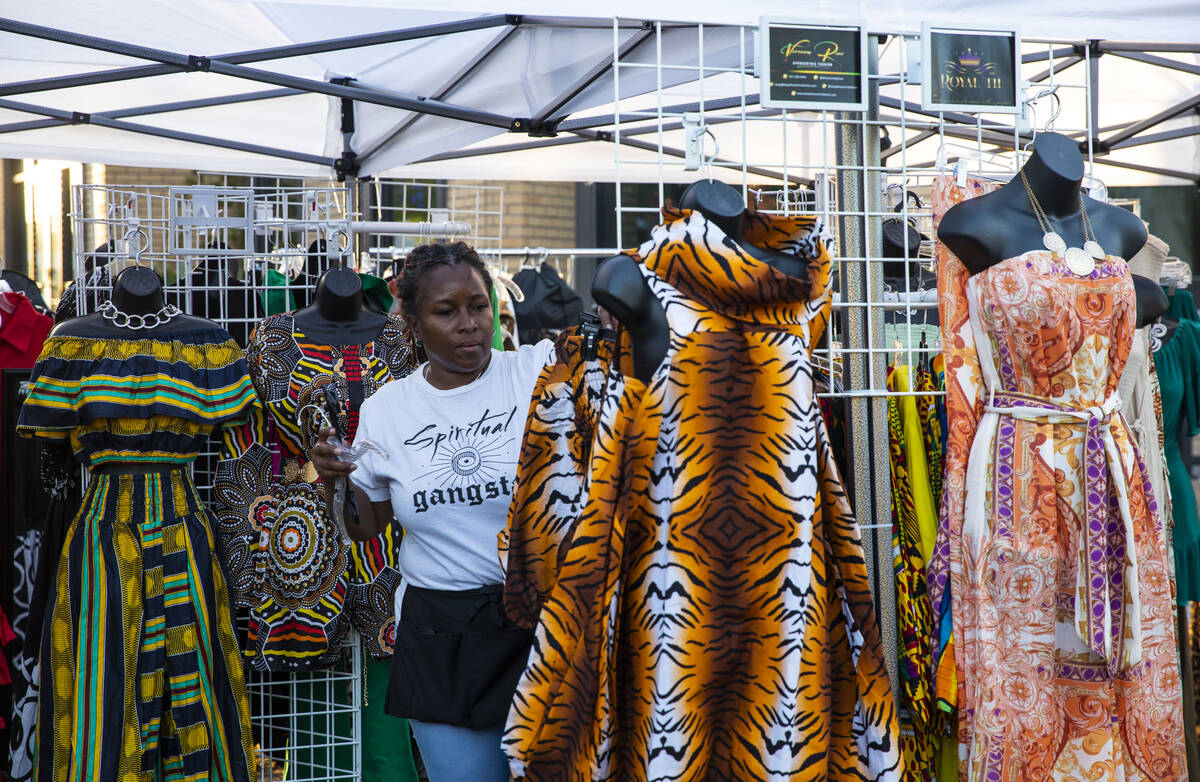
{"x": 141, "y": 677}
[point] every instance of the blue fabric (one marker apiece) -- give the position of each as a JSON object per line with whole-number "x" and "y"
{"x": 454, "y": 754}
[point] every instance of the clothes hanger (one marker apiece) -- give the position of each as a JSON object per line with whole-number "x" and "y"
{"x": 1052, "y": 93}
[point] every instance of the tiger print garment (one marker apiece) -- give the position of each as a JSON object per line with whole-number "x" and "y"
{"x": 712, "y": 617}
{"x": 550, "y": 488}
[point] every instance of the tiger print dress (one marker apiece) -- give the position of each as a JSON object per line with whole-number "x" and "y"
{"x": 712, "y": 617}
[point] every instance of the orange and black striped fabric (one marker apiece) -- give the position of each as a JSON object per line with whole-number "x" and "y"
{"x": 712, "y": 617}
{"x": 549, "y": 493}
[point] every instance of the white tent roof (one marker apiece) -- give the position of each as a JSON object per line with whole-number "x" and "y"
{"x": 254, "y": 112}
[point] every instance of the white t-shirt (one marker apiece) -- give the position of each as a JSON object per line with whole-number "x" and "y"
{"x": 452, "y": 457}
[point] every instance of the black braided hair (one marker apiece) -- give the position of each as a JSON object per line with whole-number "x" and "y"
{"x": 426, "y": 257}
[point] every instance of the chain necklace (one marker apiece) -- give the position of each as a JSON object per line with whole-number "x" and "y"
{"x": 479, "y": 374}
{"x": 151, "y": 320}
{"x": 1081, "y": 262}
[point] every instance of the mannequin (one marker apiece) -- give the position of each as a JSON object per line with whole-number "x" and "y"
{"x": 137, "y": 290}
{"x": 339, "y": 316}
{"x": 1000, "y": 225}
{"x": 621, "y": 289}
{"x": 145, "y": 403}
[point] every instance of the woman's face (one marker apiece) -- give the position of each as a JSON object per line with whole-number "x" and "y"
{"x": 454, "y": 318}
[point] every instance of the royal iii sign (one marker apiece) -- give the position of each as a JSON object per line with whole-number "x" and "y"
{"x": 970, "y": 70}
{"x": 802, "y": 65}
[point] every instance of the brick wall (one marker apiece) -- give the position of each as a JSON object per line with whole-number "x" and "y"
{"x": 536, "y": 214}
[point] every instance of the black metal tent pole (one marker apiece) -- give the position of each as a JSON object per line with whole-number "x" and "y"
{"x": 1146, "y": 46}
{"x": 1134, "y": 128}
{"x": 589, "y": 77}
{"x": 233, "y": 58}
{"x": 1006, "y": 141}
{"x": 1058, "y": 68}
{"x": 194, "y": 63}
{"x": 1153, "y": 138}
{"x": 468, "y": 68}
{"x": 157, "y": 108}
{"x": 177, "y": 135}
{"x": 905, "y": 143}
{"x": 1165, "y": 62}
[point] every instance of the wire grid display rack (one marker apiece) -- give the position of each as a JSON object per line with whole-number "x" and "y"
{"x": 306, "y": 726}
{"x": 853, "y": 169}
{"x": 402, "y": 213}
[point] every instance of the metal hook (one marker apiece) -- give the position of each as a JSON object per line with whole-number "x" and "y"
{"x": 1052, "y": 92}
{"x": 940, "y": 159}
{"x": 337, "y": 249}
{"x": 136, "y": 230}
{"x": 708, "y": 160}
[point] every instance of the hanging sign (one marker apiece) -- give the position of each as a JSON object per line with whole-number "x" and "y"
{"x": 802, "y": 65}
{"x": 970, "y": 70}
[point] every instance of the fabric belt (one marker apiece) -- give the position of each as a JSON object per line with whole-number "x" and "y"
{"x": 1107, "y": 567}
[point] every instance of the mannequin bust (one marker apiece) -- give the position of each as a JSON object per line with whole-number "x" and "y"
{"x": 621, "y": 289}
{"x": 1002, "y": 224}
{"x": 338, "y": 315}
{"x": 137, "y": 290}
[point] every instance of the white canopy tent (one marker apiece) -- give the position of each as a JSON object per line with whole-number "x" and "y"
{"x": 237, "y": 85}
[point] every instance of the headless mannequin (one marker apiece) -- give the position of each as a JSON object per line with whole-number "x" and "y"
{"x": 339, "y": 316}
{"x": 137, "y": 290}
{"x": 621, "y": 289}
{"x": 986, "y": 230}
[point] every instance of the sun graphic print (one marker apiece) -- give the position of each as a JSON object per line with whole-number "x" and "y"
{"x": 470, "y": 459}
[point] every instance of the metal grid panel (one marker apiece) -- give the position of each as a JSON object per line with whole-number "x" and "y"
{"x": 851, "y": 168}
{"x": 306, "y": 726}
{"x": 415, "y": 212}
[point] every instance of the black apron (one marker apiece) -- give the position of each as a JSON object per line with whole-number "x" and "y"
{"x": 457, "y": 658}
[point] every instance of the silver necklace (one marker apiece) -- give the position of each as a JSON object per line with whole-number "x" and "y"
{"x": 1081, "y": 261}
{"x": 151, "y": 320}
{"x": 479, "y": 374}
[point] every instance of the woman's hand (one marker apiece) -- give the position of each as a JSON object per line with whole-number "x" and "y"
{"x": 325, "y": 457}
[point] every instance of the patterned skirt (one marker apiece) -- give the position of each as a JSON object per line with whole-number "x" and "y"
{"x": 141, "y": 678}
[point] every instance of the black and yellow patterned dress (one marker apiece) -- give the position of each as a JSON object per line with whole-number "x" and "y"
{"x": 141, "y": 678}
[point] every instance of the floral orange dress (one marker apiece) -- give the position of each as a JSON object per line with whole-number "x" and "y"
{"x": 1064, "y": 635}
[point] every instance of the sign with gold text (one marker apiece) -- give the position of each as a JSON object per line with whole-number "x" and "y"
{"x": 812, "y": 66}
{"x": 970, "y": 70}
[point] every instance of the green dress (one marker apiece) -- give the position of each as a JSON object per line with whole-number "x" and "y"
{"x": 1178, "y": 365}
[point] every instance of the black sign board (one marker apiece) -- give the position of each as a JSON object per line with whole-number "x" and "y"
{"x": 970, "y": 70}
{"x": 812, "y": 66}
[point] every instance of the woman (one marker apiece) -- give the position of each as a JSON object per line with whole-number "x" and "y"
{"x": 447, "y": 439}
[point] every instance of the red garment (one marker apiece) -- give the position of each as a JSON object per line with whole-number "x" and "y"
{"x": 22, "y": 332}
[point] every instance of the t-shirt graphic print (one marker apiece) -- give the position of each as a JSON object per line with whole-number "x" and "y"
{"x": 446, "y": 459}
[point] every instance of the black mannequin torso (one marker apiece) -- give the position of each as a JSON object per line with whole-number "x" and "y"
{"x": 338, "y": 315}
{"x": 137, "y": 290}
{"x": 621, "y": 289}
{"x": 1002, "y": 224}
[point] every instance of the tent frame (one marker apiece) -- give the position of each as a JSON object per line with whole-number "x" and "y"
{"x": 546, "y": 123}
